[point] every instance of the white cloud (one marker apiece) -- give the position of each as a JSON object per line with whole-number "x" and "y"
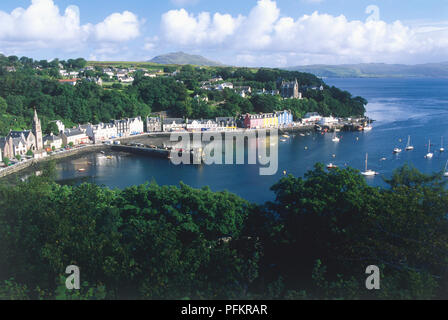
{"x": 314, "y": 38}
{"x": 42, "y": 25}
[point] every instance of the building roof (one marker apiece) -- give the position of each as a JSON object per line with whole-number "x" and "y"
{"x": 73, "y": 132}
{"x": 51, "y": 137}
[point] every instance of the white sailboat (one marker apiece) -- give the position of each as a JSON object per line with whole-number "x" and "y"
{"x": 368, "y": 172}
{"x": 442, "y": 148}
{"x": 445, "y": 173}
{"x": 397, "y": 150}
{"x": 409, "y": 147}
{"x": 430, "y": 154}
{"x": 336, "y": 138}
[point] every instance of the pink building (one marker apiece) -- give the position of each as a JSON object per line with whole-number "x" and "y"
{"x": 254, "y": 121}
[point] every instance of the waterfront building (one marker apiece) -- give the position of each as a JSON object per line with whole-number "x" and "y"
{"x": 270, "y": 120}
{"x": 75, "y": 136}
{"x": 129, "y": 126}
{"x": 226, "y": 122}
{"x": 254, "y": 121}
{"x": 27, "y": 136}
{"x": 51, "y": 141}
{"x": 173, "y": 124}
{"x": 153, "y": 124}
{"x": 285, "y": 118}
{"x": 326, "y": 121}
{"x": 101, "y": 132}
{"x": 312, "y": 117}
{"x": 19, "y": 147}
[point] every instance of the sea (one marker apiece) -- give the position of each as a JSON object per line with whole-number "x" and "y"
{"x": 400, "y": 107}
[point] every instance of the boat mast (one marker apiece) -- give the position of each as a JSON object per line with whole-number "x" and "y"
{"x": 367, "y": 159}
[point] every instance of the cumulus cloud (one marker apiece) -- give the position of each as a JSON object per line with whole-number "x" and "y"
{"x": 42, "y": 25}
{"x": 313, "y": 38}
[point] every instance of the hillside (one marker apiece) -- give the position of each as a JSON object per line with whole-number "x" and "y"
{"x": 376, "y": 70}
{"x": 181, "y": 58}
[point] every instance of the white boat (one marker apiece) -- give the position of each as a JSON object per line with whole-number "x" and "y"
{"x": 331, "y": 166}
{"x": 442, "y": 149}
{"x": 336, "y": 138}
{"x": 397, "y": 150}
{"x": 368, "y": 172}
{"x": 429, "y": 155}
{"x": 409, "y": 147}
{"x": 368, "y": 128}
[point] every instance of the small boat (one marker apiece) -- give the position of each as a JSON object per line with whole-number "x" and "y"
{"x": 429, "y": 155}
{"x": 102, "y": 152}
{"x": 302, "y": 134}
{"x": 442, "y": 148}
{"x": 286, "y": 136}
{"x": 368, "y": 128}
{"x": 368, "y": 172}
{"x": 336, "y": 138}
{"x": 331, "y": 166}
{"x": 397, "y": 150}
{"x": 109, "y": 157}
{"x": 409, "y": 147}
{"x": 283, "y": 140}
{"x": 81, "y": 170}
{"x": 383, "y": 159}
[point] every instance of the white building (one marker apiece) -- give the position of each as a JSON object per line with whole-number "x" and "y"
{"x": 51, "y": 141}
{"x": 312, "y": 117}
{"x": 75, "y": 136}
{"x": 226, "y": 85}
{"x": 126, "y": 127}
{"x": 101, "y": 132}
{"x": 328, "y": 121}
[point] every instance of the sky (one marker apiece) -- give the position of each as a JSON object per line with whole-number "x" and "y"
{"x": 235, "y": 32}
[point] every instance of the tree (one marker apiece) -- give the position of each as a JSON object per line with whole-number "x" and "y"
{"x": 6, "y": 161}
{"x": 3, "y": 105}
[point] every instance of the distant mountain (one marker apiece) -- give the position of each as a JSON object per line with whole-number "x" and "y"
{"x": 182, "y": 58}
{"x": 376, "y": 70}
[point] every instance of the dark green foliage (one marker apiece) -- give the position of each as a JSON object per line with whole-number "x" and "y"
{"x": 151, "y": 242}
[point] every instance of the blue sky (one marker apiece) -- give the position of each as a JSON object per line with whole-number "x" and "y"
{"x": 249, "y": 32}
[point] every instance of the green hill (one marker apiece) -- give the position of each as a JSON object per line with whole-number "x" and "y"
{"x": 376, "y": 70}
{"x": 181, "y": 58}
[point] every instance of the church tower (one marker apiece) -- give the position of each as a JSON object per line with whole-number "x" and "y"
{"x": 37, "y": 131}
{"x": 296, "y": 90}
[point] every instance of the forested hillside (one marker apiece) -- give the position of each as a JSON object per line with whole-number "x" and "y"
{"x": 35, "y": 84}
{"x": 314, "y": 241}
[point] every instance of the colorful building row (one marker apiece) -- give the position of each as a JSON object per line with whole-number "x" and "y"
{"x": 268, "y": 120}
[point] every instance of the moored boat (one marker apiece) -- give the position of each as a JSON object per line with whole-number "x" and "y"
{"x": 409, "y": 147}
{"x": 429, "y": 155}
{"x": 368, "y": 172}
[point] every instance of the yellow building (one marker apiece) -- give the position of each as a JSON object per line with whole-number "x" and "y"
{"x": 270, "y": 120}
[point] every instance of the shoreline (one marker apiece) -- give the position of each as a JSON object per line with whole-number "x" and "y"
{"x": 163, "y": 137}
{"x": 67, "y": 154}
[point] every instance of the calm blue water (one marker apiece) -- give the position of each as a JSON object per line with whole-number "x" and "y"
{"x": 402, "y": 107}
